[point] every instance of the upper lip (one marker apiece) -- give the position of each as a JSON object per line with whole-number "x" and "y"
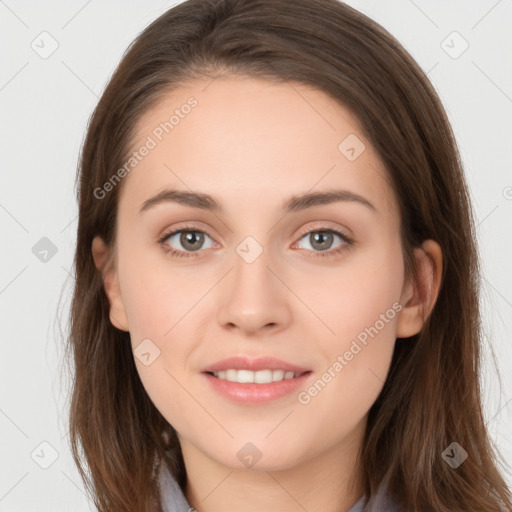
{"x": 260, "y": 363}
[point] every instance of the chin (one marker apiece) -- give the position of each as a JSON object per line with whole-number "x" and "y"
{"x": 254, "y": 456}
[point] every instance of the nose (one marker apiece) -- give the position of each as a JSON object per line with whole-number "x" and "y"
{"x": 254, "y": 298}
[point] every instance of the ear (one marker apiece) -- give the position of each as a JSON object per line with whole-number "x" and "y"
{"x": 420, "y": 294}
{"x": 105, "y": 263}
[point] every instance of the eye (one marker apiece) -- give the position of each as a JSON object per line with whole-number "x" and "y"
{"x": 321, "y": 241}
{"x": 185, "y": 240}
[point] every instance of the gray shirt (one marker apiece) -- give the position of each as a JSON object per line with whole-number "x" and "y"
{"x": 173, "y": 499}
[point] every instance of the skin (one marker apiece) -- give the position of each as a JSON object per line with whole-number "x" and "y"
{"x": 252, "y": 144}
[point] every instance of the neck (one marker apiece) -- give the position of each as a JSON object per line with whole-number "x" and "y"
{"x": 330, "y": 482}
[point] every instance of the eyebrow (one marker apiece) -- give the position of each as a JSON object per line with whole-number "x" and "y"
{"x": 295, "y": 203}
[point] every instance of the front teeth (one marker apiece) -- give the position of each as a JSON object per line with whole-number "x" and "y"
{"x": 259, "y": 377}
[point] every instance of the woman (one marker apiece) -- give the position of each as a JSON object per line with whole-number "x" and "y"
{"x": 222, "y": 364}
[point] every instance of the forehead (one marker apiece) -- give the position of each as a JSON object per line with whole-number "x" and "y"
{"x": 244, "y": 139}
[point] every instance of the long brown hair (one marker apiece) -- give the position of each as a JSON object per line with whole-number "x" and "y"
{"x": 432, "y": 394}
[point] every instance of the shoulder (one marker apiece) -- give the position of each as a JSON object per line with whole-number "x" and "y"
{"x": 173, "y": 499}
{"x": 380, "y": 502}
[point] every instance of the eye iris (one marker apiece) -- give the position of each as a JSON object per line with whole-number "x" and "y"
{"x": 321, "y": 236}
{"x": 189, "y": 238}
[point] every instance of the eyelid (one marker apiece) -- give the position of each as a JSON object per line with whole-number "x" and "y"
{"x": 325, "y": 226}
{"x": 166, "y": 233}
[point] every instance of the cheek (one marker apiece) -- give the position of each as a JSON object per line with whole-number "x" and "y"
{"x": 157, "y": 294}
{"x": 157, "y": 314}
{"x": 359, "y": 304}
{"x": 161, "y": 303}
{"x": 352, "y": 297}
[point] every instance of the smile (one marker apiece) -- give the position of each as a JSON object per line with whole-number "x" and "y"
{"x": 258, "y": 377}
{"x": 254, "y": 388}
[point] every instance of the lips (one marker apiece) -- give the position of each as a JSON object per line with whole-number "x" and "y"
{"x": 257, "y": 394}
{"x": 261, "y": 363}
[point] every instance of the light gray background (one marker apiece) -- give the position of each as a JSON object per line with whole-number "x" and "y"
{"x": 44, "y": 106}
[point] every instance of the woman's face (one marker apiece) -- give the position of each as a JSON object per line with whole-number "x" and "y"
{"x": 249, "y": 280}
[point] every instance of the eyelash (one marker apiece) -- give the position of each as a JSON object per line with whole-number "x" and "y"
{"x": 349, "y": 242}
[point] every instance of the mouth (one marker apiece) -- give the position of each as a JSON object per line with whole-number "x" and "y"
{"x": 266, "y": 376}
{"x": 256, "y": 393}
{"x": 255, "y": 381}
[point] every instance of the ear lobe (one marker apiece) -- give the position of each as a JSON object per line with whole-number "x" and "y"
{"x": 420, "y": 295}
{"x": 104, "y": 259}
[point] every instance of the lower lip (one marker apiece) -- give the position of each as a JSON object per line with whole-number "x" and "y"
{"x": 256, "y": 393}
